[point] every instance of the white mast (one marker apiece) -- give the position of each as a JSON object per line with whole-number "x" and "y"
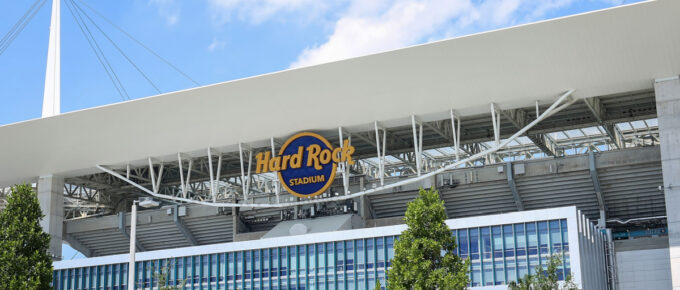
{"x": 52, "y": 93}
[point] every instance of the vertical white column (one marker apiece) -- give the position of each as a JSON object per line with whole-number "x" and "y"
{"x": 133, "y": 246}
{"x": 51, "y": 198}
{"x": 52, "y": 93}
{"x": 668, "y": 113}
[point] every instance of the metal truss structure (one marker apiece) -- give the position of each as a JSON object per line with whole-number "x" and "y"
{"x": 387, "y": 157}
{"x": 384, "y": 155}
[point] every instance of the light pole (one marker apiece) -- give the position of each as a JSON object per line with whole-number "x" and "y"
{"x": 145, "y": 202}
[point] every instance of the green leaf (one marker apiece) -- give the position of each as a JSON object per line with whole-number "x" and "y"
{"x": 425, "y": 252}
{"x": 25, "y": 261}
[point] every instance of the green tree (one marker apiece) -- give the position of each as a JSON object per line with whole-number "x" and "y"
{"x": 25, "y": 261}
{"x": 544, "y": 279}
{"x": 377, "y": 285}
{"x": 162, "y": 278}
{"x": 424, "y": 255}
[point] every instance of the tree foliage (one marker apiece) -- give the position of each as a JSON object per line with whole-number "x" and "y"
{"x": 378, "y": 286}
{"x": 425, "y": 253}
{"x": 547, "y": 279}
{"x": 162, "y": 278}
{"x": 25, "y": 261}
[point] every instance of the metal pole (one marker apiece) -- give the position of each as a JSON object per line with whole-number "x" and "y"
{"x": 133, "y": 246}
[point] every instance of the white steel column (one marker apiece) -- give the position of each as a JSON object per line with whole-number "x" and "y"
{"x": 668, "y": 113}
{"x": 381, "y": 153}
{"x": 417, "y": 143}
{"x": 277, "y": 185}
{"x": 455, "y": 130}
{"x": 51, "y": 198}
{"x": 344, "y": 166}
{"x": 133, "y": 246}
{"x": 52, "y": 92}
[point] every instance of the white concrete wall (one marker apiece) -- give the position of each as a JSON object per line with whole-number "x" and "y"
{"x": 644, "y": 269}
{"x": 668, "y": 111}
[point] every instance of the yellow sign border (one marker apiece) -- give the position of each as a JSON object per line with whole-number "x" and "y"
{"x": 330, "y": 179}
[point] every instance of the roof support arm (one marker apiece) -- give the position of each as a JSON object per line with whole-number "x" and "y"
{"x": 599, "y": 112}
{"x": 513, "y": 186}
{"x": 519, "y": 119}
{"x": 564, "y": 101}
{"x": 598, "y": 190}
{"x": 123, "y": 230}
{"x": 182, "y": 228}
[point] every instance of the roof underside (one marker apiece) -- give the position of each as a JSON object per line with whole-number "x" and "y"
{"x": 601, "y": 53}
{"x": 629, "y": 181}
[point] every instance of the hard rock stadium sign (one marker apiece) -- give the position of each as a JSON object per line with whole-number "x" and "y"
{"x": 306, "y": 164}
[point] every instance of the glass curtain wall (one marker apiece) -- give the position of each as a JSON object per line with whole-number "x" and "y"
{"x": 498, "y": 254}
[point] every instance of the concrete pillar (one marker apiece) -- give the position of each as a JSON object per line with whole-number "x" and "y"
{"x": 667, "y": 92}
{"x": 51, "y": 198}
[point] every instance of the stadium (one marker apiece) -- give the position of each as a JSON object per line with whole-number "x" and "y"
{"x": 552, "y": 138}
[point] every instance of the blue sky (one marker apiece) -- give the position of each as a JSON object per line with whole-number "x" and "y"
{"x": 220, "y": 40}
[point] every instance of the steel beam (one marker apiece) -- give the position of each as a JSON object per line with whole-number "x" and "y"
{"x": 123, "y": 230}
{"x": 518, "y": 118}
{"x": 598, "y": 190}
{"x": 597, "y": 109}
{"x": 513, "y": 186}
{"x": 182, "y": 227}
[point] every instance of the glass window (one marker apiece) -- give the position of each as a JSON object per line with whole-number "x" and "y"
{"x": 565, "y": 246}
{"x": 239, "y": 267}
{"x": 248, "y": 262}
{"x": 265, "y": 263}
{"x": 370, "y": 254}
{"x": 230, "y": 267}
{"x": 498, "y": 261}
{"x": 389, "y": 243}
{"x": 380, "y": 249}
{"x": 349, "y": 258}
{"x": 311, "y": 259}
{"x": 340, "y": 256}
{"x": 497, "y": 242}
{"x": 476, "y": 266}
{"x": 283, "y": 260}
{"x": 463, "y": 243}
{"x": 274, "y": 269}
{"x": 487, "y": 264}
{"x": 302, "y": 261}
{"x": 361, "y": 255}
{"x": 532, "y": 245}
{"x": 543, "y": 239}
{"x": 293, "y": 262}
{"x": 509, "y": 246}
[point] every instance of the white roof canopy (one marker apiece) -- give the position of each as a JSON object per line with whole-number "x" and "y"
{"x": 599, "y": 53}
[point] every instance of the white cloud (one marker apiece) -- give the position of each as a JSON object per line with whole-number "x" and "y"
{"x": 374, "y": 26}
{"x": 361, "y": 27}
{"x": 167, "y": 9}
{"x": 216, "y": 44}
{"x": 258, "y": 11}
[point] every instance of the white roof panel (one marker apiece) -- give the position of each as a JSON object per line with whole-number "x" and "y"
{"x": 605, "y": 52}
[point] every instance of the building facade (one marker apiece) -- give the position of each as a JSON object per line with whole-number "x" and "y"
{"x": 501, "y": 248}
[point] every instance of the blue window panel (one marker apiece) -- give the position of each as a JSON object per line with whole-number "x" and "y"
{"x": 349, "y": 256}
{"x": 509, "y": 253}
{"x": 498, "y": 254}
